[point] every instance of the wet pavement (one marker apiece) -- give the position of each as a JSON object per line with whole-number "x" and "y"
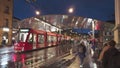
{"x": 4, "y": 50}
{"x": 53, "y": 57}
{"x": 6, "y": 57}
{"x": 32, "y": 59}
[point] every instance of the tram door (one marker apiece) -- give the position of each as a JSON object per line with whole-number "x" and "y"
{"x": 41, "y": 40}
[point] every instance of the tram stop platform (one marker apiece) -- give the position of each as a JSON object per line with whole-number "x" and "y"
{"x": 75, "y": 63}
{"x": 89, "y": 62}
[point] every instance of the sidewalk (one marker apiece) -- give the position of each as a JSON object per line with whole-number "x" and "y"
{"x": 88, "y": 62}
{"x": 73, "y": 61}
{"x": 6, "y": 49}
{"x": 75, "y": 64}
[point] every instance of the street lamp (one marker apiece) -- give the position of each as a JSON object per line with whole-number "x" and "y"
{"x": 71, "y": 10}
{"x": 37, "y": 12}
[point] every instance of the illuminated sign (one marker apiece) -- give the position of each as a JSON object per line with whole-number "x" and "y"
{"x": 24, "y": 30}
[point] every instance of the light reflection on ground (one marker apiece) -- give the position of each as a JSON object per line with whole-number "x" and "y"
{"x": 35, "y": 58}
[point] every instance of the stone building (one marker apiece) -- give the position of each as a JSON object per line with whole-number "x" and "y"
{"x": 6, "y": 17}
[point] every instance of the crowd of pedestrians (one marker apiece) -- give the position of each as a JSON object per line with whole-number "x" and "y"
{"x": 108, "y": 56}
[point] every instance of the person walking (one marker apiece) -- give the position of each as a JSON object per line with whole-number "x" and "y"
{"x": 109, "y": 60}
{"x": 3, "y": 42}
{"x": 100, "y": 57}
{"x": 104, "y": 49}
{"x": 81, "y": 53}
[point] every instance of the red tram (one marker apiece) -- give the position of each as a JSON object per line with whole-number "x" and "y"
{"x": 30, "y": 39}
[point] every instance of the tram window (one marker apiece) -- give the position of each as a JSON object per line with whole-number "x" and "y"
{"x": 22, "y": 37}
{"x": 34, "y": 38}
{"x": 53, "y": 38}
{"x": 30, "y": 39}
{"x": 40, "y": 39}
{"x": 48, "y": 39}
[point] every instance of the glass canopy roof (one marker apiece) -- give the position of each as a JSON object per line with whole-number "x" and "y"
{"x": 63, "y": 22}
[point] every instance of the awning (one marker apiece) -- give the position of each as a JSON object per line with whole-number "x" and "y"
{"x": 84, "y": 31}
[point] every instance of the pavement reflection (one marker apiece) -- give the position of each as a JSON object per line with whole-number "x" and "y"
{"x": 33, "y": 59}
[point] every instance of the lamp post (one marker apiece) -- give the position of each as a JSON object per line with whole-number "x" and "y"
{"x": 93, "y": 28}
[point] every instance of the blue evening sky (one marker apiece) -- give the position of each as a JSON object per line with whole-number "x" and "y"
{"x": 97, "y": 9}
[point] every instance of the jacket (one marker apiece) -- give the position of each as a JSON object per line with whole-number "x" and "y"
{"x": 111, "y": 58}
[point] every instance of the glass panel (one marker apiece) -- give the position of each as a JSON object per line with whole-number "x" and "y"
{"x": 34, "y": 38}
{"x": 30, "y": 39}
{"x": 23, "y": 34}
{"x": 40, "y": 39}
{"x": 48, "y": 39}
{"x": 53, "y": 38}
{"x": 22, "y": 37}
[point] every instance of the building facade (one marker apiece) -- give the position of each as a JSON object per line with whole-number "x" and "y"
{"x": 6, "y": 17}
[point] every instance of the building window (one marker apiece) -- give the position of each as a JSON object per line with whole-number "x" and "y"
{"x": 6, "y": 10}
{"x": 6, "y": 23}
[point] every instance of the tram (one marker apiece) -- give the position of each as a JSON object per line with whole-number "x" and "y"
{"x": 29, "y": 39}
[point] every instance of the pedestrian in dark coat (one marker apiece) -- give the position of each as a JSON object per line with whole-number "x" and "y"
{"x": 109, "y": 59}
{"x": 82, "y": 52}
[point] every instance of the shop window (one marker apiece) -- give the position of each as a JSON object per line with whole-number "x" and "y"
{"x": 6, "y": 10}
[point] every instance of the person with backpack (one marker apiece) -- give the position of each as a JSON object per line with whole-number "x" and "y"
{"x": 109, "y": 60}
